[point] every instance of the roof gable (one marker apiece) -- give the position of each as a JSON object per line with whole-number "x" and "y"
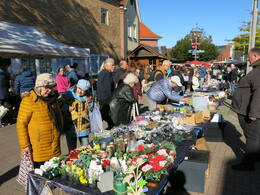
{"x": 144, "y": 50}
{"x": 145, "y": 32}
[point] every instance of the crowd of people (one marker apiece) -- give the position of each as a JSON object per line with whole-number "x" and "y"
{"x": 50, "y": 106}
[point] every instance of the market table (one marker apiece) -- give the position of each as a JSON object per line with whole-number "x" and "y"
{"x": 146, "y": 128}
{"x": 36, "y": 183}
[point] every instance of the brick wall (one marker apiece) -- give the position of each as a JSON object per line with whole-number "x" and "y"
{"x": 73, "y": 22}
{"x": 225, "y": 55}
{"x": 152, "y": 43}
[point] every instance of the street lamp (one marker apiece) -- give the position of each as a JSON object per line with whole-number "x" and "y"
{"x": 195, "y": 35}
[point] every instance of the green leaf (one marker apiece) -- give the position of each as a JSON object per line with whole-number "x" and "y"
{"x": 142, "y": 183}
{"x": 129, "y": 190}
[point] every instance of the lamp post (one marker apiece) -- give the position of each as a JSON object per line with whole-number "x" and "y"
{"x": 252, "y": 30}
{"x": 195, "y": 35}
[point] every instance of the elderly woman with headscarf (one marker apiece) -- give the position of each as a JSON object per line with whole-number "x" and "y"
{"x": 40, "y": 122}
{"x": 122, "y": 100}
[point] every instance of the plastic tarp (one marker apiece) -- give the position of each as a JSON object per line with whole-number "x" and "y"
{"x": 23, "y": 41}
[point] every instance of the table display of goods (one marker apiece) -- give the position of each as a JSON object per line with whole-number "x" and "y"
{"x": 131, "y": 159}
{"x": 128, "y": 159}
{"x": 210, "y": 85}
{"x": 127, "y": 171}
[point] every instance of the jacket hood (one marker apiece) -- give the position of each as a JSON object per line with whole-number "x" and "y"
{"x": 26, "y": 73}
{"x": 256, "y": 63}
{"x": 70, "y": 93}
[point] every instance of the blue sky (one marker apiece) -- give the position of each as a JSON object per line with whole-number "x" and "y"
{"x": 173, "y": 19}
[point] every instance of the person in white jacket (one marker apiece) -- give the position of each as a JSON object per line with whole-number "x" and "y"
{"x": 195, "y": 80}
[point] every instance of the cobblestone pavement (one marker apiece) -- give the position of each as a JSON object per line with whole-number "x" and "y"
{"x": 221, "y": 180}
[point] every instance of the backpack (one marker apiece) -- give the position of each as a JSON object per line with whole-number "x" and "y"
{"x": 154, "y": 74}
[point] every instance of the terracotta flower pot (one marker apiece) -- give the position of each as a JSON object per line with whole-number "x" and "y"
{"x": 153, "y": 184}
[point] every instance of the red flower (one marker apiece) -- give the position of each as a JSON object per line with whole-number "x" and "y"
{"x": 150, "y": 154}
{"x": 105, "y": 162}
{"x": 73, "y": 155}
{"x": 159, "y": 158}
{"x": 156, "y": 167}
{"x": 140, "y": 148}
{"x": 156, "y": 159}
{"x": 134, "y": 160}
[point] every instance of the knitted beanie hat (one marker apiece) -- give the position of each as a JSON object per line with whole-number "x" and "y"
{"x": 45, "y": 79}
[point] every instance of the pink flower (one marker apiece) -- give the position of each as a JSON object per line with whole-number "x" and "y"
{"x": 146, "y": 168}
{"x": 143, "y": 156}
{"x": 162, "y": 163}
{"x": 162, "y": 152}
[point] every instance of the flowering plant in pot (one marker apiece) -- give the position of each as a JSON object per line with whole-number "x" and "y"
{"x": 157, "y": 166}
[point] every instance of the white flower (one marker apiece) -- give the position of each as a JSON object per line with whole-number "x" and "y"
{"x": 93, "y": 164}
{"x": 38, "y": 171}
{"x": 123, "y": 165}
{"x": 43, "y": 168}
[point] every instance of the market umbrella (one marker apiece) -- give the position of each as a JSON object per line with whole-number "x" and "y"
{"x": 196, "y": 62}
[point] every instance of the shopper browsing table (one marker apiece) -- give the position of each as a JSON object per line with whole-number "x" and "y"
{"x": 40, "y": 122}
{"x": 165, "y": 89}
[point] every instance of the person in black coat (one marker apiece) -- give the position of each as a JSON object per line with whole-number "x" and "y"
{"x": 105, "y": 88}
{"x": 246, "y": 104}
{"x": 232, "y": 77}
{"x": 122, "y": 100}
{"x": 4, "y": 87}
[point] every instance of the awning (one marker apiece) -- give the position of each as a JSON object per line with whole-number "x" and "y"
{"x": 195, "y": 62}
{"x": 18, "y": 41}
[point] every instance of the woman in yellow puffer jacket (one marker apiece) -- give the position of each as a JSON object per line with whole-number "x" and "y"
{"x": 39, "y": 122}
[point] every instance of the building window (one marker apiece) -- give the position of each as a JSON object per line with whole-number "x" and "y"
{"x": 134, "y": 32}
{"x": 104, "y": 16}
{"x": 129, "y": 30}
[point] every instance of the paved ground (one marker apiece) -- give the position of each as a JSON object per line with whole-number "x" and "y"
{"x": 221, "y": 181}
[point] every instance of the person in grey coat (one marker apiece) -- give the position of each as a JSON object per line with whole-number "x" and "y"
{"x": 246, "y": 103}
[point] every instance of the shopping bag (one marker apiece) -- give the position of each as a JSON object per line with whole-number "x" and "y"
{"x": 95, "y": 118}
{"x": 46, "y": 190}
{"x": 3, "y": 111}
{"x": 134, "y": 111}
{"x": 26, "y": 166}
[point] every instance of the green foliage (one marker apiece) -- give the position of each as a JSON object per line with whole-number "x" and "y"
{"x": 210, "y": 49}
{"x": 181, "y": 49}
{"x": 241, "y": 42}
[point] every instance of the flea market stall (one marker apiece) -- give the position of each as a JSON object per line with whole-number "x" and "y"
{"x": 136, "y": 158}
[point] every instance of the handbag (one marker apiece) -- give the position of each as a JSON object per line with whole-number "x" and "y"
{"x": 95, "y": 118}
{"x": 26, "y": 166}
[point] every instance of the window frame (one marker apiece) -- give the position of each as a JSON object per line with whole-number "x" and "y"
{"x": 106, "y": 16}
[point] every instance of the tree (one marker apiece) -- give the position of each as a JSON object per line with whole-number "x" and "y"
{"x": 241, "y": 42}
{"x": 181, "y": 49}
{"x": 210, "y": 50}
